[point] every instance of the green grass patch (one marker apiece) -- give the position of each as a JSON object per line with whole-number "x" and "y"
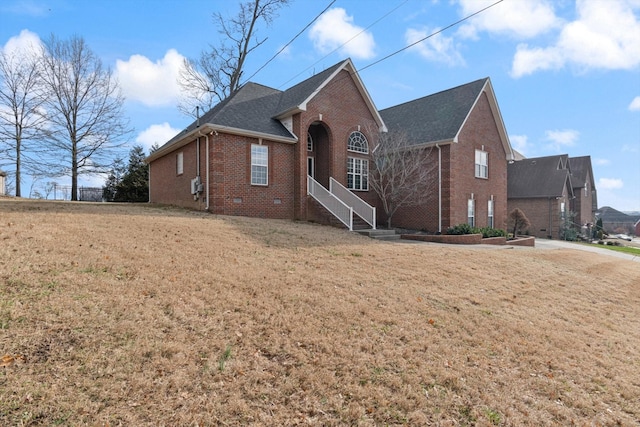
{"x": 624, "y": 249}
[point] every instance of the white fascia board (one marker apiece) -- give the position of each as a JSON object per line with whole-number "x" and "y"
{"x": 348, "y": 65}
{"x": 210, "y": 128}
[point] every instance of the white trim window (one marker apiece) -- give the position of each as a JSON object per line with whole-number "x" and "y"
{"x": 180, "y": 163}
{"x": 309, "y": 142}
{"x": 259, "y": 164}
{"x": 358, "y": 142}
{"x": 357, "y": 174}
{"x": 490, "y": 221}
{"x": 471, "y": 212}
{"x": 482, "y": 164}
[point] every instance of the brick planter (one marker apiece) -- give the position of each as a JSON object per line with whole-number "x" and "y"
{"x": 523, "y": 241}
{"x": 494, "y": 241}
{"x": 470, "y": 239}
{"x": 455, "y": 239}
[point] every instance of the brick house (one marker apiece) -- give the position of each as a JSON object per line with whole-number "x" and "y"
{"x": 470, "y": 150}
{"x": 616, "y": 222}
{"x": 297, "y": 153}
{"x": 552, "y": 189}
{"x": 585, "y": 201}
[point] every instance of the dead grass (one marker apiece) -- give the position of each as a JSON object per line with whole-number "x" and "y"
{"x": 138, "y": 315}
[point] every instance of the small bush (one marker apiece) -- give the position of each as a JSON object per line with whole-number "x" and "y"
{"x": 462, "y": 229}
{"x": 492, "y": 232}
{"x": 467, "y": 229}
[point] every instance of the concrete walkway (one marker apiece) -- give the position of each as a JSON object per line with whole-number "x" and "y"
{"x": 557, "y": 244}
{"x": 548, "y": 244}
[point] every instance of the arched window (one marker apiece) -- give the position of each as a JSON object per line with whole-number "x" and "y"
{"x": 358, "y": 142}
{"x": 309, "y": 142}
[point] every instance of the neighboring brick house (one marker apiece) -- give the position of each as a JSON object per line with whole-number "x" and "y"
{"x": 552, "y": 189}
{"x": 616, "y": 222}
{"x": 585, "y": 201}
{"x": 252, "y": 154}
{"x": 470, "y": 150}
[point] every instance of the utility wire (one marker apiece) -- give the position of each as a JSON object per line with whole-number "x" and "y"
{"x": 430, "y": 35}
{"x": 343, "y": 44}
{"x": 291, "y": 41}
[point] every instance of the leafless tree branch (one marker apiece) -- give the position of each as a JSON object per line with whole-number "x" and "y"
{"x": 217, "y": 73}
{"x": 400, "y": 173}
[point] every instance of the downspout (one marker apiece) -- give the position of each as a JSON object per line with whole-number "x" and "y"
{"x": 206, "y": 208}
{"x": 439, "y": 188}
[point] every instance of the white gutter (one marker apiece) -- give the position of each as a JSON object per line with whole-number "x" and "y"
{"x": 186, "y": 139}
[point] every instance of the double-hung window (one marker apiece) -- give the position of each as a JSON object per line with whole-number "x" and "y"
{"x": 357, "y": 174}
{"x": 471, "y": 212}
{"x": 490, "y": 213}
{"x": 482, "y": 164}
{"x": 259, "y": 164}
{"x": 180, "y": 163}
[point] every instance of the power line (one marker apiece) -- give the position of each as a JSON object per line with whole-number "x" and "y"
{"x": 291, "y": 41}
{"x": 430, "y": 35}
{"x": 343, "y": 44}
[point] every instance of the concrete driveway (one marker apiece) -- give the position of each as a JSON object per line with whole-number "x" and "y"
{"x": 557, "y": 244}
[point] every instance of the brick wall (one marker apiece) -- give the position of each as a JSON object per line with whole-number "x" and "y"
{"x": 543, "y": 214}
{"x": 339, "y": 108}
{"x": 459, "y": 181}
{"x": 479, "y": 133}
{"x": 230, "y": 188}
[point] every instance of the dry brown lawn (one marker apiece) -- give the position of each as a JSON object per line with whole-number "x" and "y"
{"x": 139, "y": 315}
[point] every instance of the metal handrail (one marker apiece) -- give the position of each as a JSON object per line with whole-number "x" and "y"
{"x": 332, "y": 203}
{"x": 359, "y": 206}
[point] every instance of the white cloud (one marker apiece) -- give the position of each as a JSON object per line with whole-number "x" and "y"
{"x": 519, "y": 143}
{"x": 519, "y": 19}
{"x": 152, "y": 84}
{"x": 605, "y": 36}
{"x": 24, "y": 42}
{"x": 601, "y": 162}
{"x": 156, "y": 134}
{"x": 335, "y": 30}
{"x": 628, "y": 148}
{"x": 609, "y": 184}
{"x": 436, "y": 48}
{"x": 562, "y": 138}
{"x": 635, "y": 104}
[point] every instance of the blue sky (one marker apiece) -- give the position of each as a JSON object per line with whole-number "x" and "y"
{"x": 566, "y": 73}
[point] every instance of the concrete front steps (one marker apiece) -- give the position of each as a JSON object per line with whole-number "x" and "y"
{"x": 380, "y": 234}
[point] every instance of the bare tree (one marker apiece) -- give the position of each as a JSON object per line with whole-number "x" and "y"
{"x": 400, "y": 173}
{"x": 217, "y": 73}
{"x": 20, "y": 104}
{"x": 520, "y": 220}
{"x": 84, "y": 109}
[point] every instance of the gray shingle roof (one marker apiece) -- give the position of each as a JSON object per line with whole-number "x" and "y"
{"x": 295, "y": 95}
{"x": 609, "y": 214}
{"x": 581, "y": 170}
{"x": 538, "y": 177}
{"x": 254, "y": 106}
{"x": 436, "y": 117}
